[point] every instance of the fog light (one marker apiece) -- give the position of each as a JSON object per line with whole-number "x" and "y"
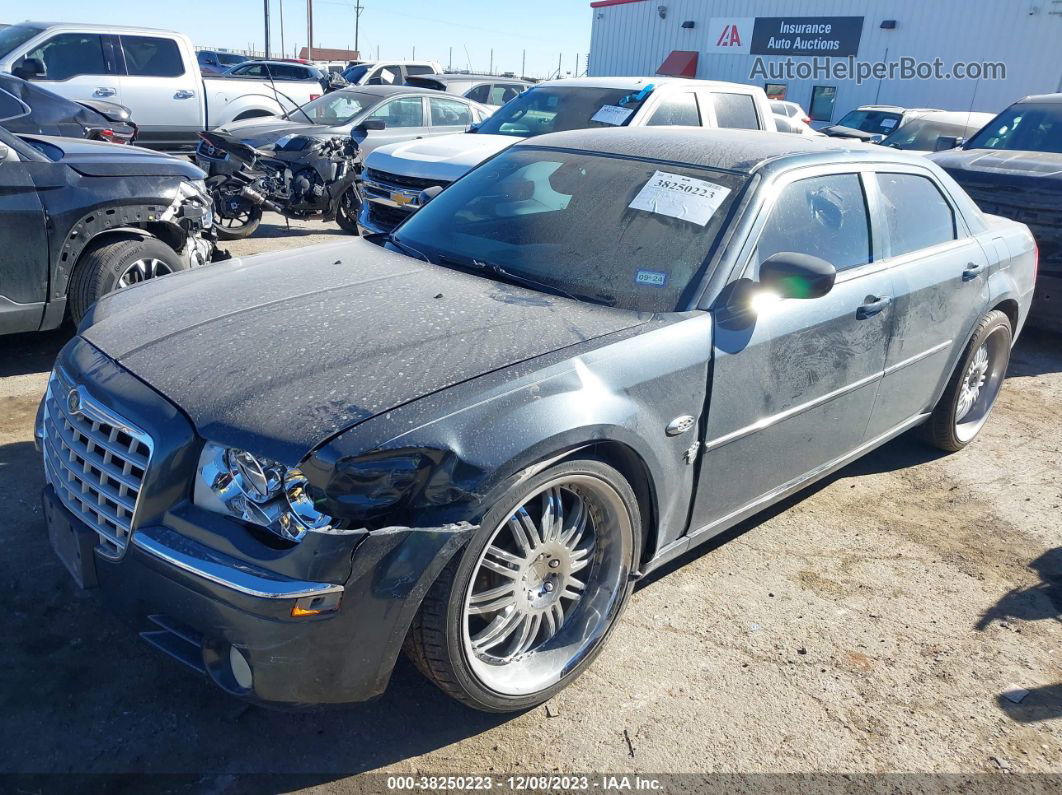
{"x": 241, "y": 669}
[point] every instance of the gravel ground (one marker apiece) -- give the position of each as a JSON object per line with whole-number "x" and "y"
{"x": 871, "y": 624}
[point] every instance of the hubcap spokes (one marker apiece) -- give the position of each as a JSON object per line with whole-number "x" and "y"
{"x": 973, "y": 381}
{"x": 142, "y": 270}
{"x": 525, "y": 583}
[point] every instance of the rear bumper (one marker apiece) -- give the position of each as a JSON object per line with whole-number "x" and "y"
{"x": 196, "y": 604}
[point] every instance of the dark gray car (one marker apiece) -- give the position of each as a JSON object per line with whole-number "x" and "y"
{"x": 486, "y": 89}
{"x": 590, "y": 354}
{"x": 376, "y": 115}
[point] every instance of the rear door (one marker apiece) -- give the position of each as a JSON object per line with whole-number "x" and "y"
{"x": 794, "y": 380}
{"x": 939, "y": 274}
{"x": 78, "y": 66}
{"x": 23, "y": 244}
{"x": 162, "y": 92}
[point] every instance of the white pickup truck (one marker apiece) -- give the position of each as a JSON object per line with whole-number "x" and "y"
{"x": 153, "y": 72}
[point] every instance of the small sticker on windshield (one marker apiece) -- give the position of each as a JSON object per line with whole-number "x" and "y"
{"x": 686, "y": 198}
{"x": 612, "y": 114}
{"x": 651, "y": 278}
{"x": 888, "y": 124}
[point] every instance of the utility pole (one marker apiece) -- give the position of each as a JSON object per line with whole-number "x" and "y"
{"x": 265, "y": 8}
{"x": 523, "y": 65}
{"x": 576, "y": 72}
{"x": 309, "y": 30}
{"x": 283, "y": 49}
{"x": 414, "y": 53}
{"x": 358, "y": 8}
{"x": 560, "y": 61}
{"x": 450, "y": 65}
{"x": 491, "y": 61}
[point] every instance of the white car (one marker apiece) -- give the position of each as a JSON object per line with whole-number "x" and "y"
{"x": 155, "y": 73}
{"x": 395, "y": 175}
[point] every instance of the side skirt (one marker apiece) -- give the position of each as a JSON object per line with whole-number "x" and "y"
{"x": 710, "y": 531}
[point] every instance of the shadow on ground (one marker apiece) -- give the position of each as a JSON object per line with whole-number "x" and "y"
{"x": 266, "y": 231}
{"x": 23, "y": 354}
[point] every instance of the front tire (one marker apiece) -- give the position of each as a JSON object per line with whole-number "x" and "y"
{"x": 347, "y": 210}
{"x": 971, "y": 393}
{"x": 106, "y": 267}
{"x": 526, "y": 607}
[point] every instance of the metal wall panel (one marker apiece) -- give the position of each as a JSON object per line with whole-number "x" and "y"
{"x": 633, "y": 39}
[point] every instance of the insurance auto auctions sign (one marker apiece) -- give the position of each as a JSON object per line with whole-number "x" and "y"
{"x": 832, "y": 36}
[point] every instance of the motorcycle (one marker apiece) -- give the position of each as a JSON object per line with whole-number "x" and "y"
{"x": 298, "y": 177}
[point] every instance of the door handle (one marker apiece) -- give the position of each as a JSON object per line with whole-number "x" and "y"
{"x": 872, "y": 305}
{"x": 971, "y": 270}
{"x": 104, "y": 91}
{"x": 184, "y": 94}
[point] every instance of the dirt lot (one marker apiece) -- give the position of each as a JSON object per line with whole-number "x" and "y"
{"x": 871, "y": 624}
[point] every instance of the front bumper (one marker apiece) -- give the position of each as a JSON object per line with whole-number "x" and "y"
{"x": 197, "y": 585}
{"x": 375, "y": 218}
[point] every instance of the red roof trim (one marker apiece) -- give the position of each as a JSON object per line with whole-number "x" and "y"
{"x": 680, "y": 63}
{"x": 603, "y": 3}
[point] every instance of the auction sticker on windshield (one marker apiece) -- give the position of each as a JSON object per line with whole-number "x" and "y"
{"x": 612, "y": 114}
{"x": 693, "y": 200}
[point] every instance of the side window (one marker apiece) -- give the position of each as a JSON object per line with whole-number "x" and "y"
{"x": 480, "y": 94}
{"x": 71, "y": 54}
{"x": 417, "y": 69}
{"x": 385, "y": 76}
{"x": 775, "y": 90}
{"x": 736, "y": 110}
{"x": 825, "y": 217}
{"x": 677, "y": 109}
{"x": 150, "y": 56}
{"x": 249, "y": 71}
{"x": 822, "y": 99}
{"x": 916, "y": 214}
{"x": 401, "y": 112}
{"x": 511, "y": 90}
{"x": 449, "y": 113}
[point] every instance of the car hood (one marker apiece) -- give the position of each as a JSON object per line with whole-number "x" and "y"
{"x": 445, "y": 157}
{"x": 99, "y": 159}
{"x": 261, "y": 132}
{"x": 277, "y": 353}
{"x": 996, "y": 165}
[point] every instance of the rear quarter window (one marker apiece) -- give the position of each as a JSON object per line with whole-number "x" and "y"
{"x": 152, "y": 56}
{"x": 736, "y": 111}
{"x": 917, "y": 215}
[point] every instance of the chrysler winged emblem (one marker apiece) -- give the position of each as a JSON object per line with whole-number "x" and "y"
{"x": 73, "y": 401}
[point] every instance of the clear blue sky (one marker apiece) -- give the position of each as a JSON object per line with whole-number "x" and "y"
{"x": 545, "y": 28}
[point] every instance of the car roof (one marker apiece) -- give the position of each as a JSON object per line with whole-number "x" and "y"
{"x": 388, "y": 91}
{"x": 101, "y": 28}
{"x": 956, "y": 117}
{"x": 635, "y": 83}
{"x": 1041, "y": 99}
{"x": 456, "y": 77}
{"x": 252, "y": 61}
{"x": 727, "y": 149}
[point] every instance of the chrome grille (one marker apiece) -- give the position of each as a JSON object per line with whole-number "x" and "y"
{"x": 95, "y": 461}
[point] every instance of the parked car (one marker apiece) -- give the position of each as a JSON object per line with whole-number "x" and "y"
{"x": 873, "y": 122}
{"x": 388, "y": 73}
{"x": 488, "y": 90}
{"x": 396, "y": 174}
{"x": 155, "y": 73}
{"x": 375, "y": 115}
{"x": 1012, "y": 167}
{"x": 51, "y": 114}
{"x": 791, "y": 110}
{"x": 214, "y": 62}
{"x": 594, "y": 352}
{"x": 80, "y": 218}
{"x": 280, "y": 71}
{"x": 936, "y": 130}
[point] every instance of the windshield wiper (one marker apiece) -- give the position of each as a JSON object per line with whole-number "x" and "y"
{"x": 527, "y": 281}
{"x": 406, "y": 249}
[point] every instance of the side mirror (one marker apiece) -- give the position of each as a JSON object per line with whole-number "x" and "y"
{"x": 29, "y": 69}
{"x": 876, "y": 138}
{"x": 372, "y": 124}
{"x": 947, "y": 142}
{"x": 473, "y": 127}
{"x": 793, "y": 275}
{"x": 428, "y": 194}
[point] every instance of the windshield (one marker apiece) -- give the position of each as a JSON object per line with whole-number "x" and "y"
{"x": 608, "y": 230}
{"x": 16, "y": 35}
{"x": 922, "y": 134}
{"x": 337, "y": 108}
{"x": 871, "y": 121}
{"x": 546, "y": 109}
{"x": 1028, "y": 127}
{"x": 355, "y": 73}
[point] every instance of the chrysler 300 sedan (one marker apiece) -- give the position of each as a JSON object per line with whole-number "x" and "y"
{"x": 592, "y": 353}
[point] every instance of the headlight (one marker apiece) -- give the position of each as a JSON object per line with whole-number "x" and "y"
{"x": 257, "y": 490}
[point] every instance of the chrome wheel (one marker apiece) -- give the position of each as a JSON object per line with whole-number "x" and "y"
{"x": 547, "y": 585}
{"x": 142, "y": 270}
{"x": 980, "y": 385}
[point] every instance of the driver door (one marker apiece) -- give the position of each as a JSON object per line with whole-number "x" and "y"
{"x": 23, "y": 242}
{"x": 794, "y": 380}
{"x": 77, "y": 66}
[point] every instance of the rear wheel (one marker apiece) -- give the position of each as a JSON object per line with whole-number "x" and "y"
{"x": 347, "y": 210}
{"x": 527, "y": 606}
{"x": 235, "y": 216}
{"x": 970, "y": 395}
{"x": 107, "y": 267}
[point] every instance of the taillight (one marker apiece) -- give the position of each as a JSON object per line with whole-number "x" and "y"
{"x": 1036, "y": 260}
{"x": 806, "y": 120}
{"x": 314, "y": 96}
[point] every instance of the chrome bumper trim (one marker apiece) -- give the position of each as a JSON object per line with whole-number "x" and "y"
{"x": 220, "y": 569}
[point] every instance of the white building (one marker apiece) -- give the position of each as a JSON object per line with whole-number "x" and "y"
{"x": 793, "y": 48}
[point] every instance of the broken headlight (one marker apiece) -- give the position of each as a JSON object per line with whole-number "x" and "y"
{"x": 258, "y": 490}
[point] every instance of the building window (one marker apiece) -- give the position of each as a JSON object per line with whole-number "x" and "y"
{"x": 775, "y": 90}
{"x": 822, "y": 99}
